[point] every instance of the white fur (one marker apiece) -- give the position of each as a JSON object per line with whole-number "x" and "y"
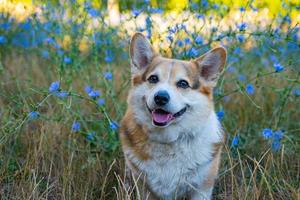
{"x": 182, "y": 152}
{"x": 180, "y": 165}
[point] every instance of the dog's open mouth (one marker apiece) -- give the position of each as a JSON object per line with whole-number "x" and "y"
{"x": 161, "y": 117}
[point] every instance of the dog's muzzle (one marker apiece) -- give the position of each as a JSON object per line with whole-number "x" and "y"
{"x": 161, "y": 117}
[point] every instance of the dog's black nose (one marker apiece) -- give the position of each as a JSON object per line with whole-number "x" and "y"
{"x": 161, "y": 98}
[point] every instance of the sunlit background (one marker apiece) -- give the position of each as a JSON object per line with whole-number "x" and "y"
{"x": 65, "y": 74}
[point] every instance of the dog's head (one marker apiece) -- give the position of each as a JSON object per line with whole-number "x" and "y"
{"x": 169, "y": 92}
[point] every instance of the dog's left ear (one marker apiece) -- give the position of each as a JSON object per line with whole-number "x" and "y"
{"x": 211, "y": 64}
{"x": 141, "y": 52}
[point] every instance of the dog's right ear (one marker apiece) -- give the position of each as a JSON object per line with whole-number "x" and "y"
{"x": 141, "y": 52}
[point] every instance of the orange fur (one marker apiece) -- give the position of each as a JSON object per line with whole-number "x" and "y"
{"x": 217, "y": 150}
{"x": 208, "y": 91}
{"x": 134, "y": 136}
{"x": 213, "y": 171}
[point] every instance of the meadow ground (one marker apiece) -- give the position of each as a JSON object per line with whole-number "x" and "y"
{"x": 64, "y": 82}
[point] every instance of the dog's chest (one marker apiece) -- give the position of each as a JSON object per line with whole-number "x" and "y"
{"x": 174, "y": 168}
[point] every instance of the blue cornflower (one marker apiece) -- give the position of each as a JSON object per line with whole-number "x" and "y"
{"x": 250, "y": 89}
{"x": 108, "y": 75}
{"x": 109, "y": 56}
{"x": 296, "y": 92}
{"x": 267, "y": 133}
{"x": 155, "y": 10}
{"x": 276, "y": 145}
{"x": 26, "y": 26}
{"x": 90, "y": 136}
{"x": 49, "y": 40}
{"x": 57, "y": 30}
{"x": 215, "y": 6}
{"x": 199, "y": 40}
{"x": 101, "y": 102}
{"x": 187, "y": 40}
{"x": 278, "y": 135}
{"x": 277, "y": 33}
{"x": 5, "y": 26}
{"x": 170, "y": 38}
{"x": 235, "y": 141}
{"x": 22, "y": 39}
{"x": 61, "y": 94}
{"x": 199, "y": 16}
{"x": 221, "y": 114}
{"x": 242, "y": 26}
{"x": 172, "y": 30}
{"x": 136, "y": 12}
{"x": 237, "y": 50}
{"x": 253, "y": 8}
{"x": 273, "y": 58}
{"x": 287, "y": 19}
{"x": 233, "y": 59}
{"x": 54, "y": 86}
{"x": 231, "y": 69}
{"x": 33, "y": 115}
{"x": 67, "y": 60}
{"x": 204, "y": 3}
{"x": 76, "y": 126}
{"x": 47, "y": 26}
{"x": 278, "y": 67}
{"x": 91, "y": 92}
{"x": 148, "y": 23}
{"x": 113, "y": 125}
{"x": 181, "y": 26}
{"x": 88, "y": 89}
{"x": 53, "y": 43}
{"x": 291, "y": 46}
{"x": 180, "y": 43}
{"x": 93, "y": 12}
{"x": 3, "y": 39}
{"x": 240, "y": 38}
{"x": 242, "y": 9}
{"x": 193, "y": 52}
{"x": 94, "y": 94}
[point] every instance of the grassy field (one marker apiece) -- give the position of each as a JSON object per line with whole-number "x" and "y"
{"x": 64, "y": 82}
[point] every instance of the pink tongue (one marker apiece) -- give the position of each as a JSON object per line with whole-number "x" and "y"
{"x": 161, "y": 117}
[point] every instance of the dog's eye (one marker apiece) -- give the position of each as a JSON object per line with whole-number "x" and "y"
{"x": 153, "y": 79}
{"x": 182, "y": 84}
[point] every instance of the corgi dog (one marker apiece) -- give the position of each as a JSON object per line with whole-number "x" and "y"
{"x": 170, "y": 134}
